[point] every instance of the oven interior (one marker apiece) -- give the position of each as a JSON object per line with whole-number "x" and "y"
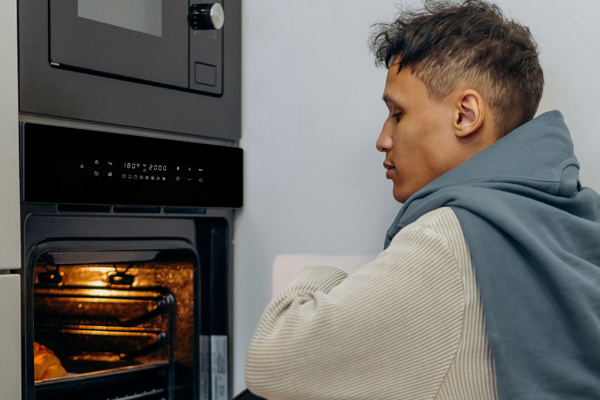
{"x": 122, "y": 329}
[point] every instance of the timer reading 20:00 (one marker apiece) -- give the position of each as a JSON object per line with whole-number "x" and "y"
{"x": 150, "y": 167}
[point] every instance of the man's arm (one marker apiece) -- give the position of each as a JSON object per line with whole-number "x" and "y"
{"x": 390, "y": 330}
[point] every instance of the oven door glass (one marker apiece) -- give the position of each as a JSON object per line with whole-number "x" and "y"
{"x": 123, "y": 330}
{"x": 144, "y": 40}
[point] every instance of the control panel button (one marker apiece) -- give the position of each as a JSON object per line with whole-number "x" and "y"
{"x": 206, "y": 16}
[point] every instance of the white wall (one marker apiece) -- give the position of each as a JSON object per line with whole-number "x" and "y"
{"x": 312, "y": 111}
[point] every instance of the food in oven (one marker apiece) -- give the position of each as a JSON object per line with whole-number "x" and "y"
{"x": 46, "y": 364}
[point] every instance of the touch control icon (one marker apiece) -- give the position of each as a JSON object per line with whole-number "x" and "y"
{"x": 177, "y": 178}
{"x": 110, "y": 174}
{"x": 96, "y": 173}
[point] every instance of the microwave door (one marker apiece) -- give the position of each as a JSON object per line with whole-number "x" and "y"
{"x": 142, "y": 40}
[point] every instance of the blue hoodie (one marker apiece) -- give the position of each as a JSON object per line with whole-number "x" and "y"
{"x": 534, "y": 237}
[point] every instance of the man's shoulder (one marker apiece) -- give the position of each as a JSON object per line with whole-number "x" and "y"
{"x": 444, "y": 223}
{"x": 438, "y": 218}
{"x": 441, "y": 223}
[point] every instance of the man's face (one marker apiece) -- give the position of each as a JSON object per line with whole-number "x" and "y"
{"x": 417, "y": 136}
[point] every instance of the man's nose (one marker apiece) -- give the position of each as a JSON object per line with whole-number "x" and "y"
{"x": 384, "y": 142}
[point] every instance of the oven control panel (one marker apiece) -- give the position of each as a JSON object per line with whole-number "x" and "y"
{"x": 74, "y": 166}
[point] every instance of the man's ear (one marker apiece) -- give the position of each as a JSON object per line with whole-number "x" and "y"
{"x": 470, "y": 113}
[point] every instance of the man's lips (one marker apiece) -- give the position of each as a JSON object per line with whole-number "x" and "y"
{"x": 390, "y": 170}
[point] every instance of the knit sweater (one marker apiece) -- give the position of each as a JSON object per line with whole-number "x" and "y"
{"x": 408, "y": 325}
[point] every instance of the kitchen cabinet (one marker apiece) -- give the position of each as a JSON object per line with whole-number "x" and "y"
{"x": 10, "y": 218}
{"x": 10, "y": 337}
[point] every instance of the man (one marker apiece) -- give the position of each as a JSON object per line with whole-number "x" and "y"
{"x": 489, "y": 286}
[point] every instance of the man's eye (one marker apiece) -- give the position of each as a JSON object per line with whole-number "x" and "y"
{"x": 397, "y": 116}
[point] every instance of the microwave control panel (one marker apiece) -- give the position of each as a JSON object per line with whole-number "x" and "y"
{"x": 74, "y": 166}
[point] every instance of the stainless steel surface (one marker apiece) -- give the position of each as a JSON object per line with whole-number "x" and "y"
{"x": 206, "y": 16}
{"x": 217, "y": 16}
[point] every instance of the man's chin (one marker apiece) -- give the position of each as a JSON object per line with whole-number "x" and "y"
{"x": 400, "y": 196}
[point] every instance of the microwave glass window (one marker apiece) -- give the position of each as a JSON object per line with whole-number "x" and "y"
{"x": 139, "y": 15}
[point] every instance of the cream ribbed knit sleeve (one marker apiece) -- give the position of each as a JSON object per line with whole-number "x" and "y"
{"x": 392, "y": 330}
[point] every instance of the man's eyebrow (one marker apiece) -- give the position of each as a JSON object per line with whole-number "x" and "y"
{"x": 388, "y": 100}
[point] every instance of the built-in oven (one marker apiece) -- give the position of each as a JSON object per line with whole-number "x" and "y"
{"x": 169, "y": 65}
{"x": 127, "y": 265}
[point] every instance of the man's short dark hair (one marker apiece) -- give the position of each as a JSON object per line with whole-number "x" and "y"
{"x": 469, "y": 43}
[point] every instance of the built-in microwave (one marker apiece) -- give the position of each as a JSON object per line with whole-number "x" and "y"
{"x": 171, "y": 66}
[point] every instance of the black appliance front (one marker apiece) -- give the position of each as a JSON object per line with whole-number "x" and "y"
{"x": 132, "y": 306}
{"x": 122, "y": 301}
{"x": 64, "y": 165}
{"x": 162, "y": 65}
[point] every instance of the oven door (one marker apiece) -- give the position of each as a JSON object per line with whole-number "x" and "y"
{"x": 142, "y": 40}
{"x": 119, "y": 317}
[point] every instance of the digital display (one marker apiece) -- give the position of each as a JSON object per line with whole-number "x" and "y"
{"x": 64, "y": 165}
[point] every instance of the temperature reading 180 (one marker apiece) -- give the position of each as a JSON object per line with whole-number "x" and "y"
{"x": 131, "y": 165}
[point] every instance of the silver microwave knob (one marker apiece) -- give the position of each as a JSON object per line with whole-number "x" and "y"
{"x": 206, "y": 16}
